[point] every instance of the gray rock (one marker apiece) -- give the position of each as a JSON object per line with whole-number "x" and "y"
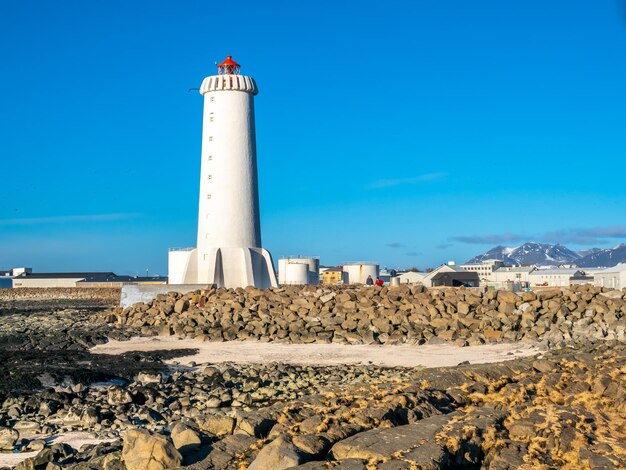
{"x": 144, "y": 450}
{"x": 277, "y": 455}
{"x": 416, "y": 442}
{"x": 8, "y": 438}
{"x": 216, "y": 424}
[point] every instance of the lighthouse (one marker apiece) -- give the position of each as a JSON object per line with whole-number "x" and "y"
{"x": 228, "y": 251}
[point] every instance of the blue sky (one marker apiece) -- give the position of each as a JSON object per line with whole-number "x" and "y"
{"x": 407, "y": 133}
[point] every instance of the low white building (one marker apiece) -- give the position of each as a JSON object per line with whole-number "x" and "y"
{"x": 613, "y": 278}
{"x": 560, "y": 277}
{"x": 505, "y": 275}
{"x": 411, "y": 277}
{"x": 484, "y": 269}
{"x": 451, "y": 275}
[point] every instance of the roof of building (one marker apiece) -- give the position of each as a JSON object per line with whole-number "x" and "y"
{"x": 450, "y": 268}
{"x": 515, "y": 269}
{"x": 621, "y": 267}
{"x": 5, "y": 273}
{"x": 133, "y": 279}
{"x": 92, "y": 277}
{"x": 485, "y": 262}
{"x": 333, "y": 270}
{"x": 556, "y": 271}
{"x": 412, "y": 273}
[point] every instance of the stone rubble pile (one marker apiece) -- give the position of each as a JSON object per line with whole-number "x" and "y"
{"x": 372, "y": 315}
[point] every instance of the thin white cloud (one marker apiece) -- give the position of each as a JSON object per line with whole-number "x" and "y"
{"x": 61, "y": 219}
{"x": 389, "y": 183}
{"x": 577, "y": 236}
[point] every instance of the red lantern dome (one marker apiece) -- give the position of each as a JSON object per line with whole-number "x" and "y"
{"x": 228, "y": 67}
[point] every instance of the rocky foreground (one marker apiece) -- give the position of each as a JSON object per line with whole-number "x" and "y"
{"x": 565, "y": 409}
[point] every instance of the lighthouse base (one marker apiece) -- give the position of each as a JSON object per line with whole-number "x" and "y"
{"x": 223, "y": 267}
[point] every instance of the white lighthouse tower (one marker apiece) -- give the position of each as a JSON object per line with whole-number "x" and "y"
{"x": 228, "y": 252}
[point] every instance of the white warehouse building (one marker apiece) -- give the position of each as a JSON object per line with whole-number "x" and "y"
{"x": 560, "y": 277}
{"x": 613, "y": 278}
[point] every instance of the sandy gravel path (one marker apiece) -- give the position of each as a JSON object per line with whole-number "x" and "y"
{"x": 76, "y": 439}
{"x": 324, "y": 354}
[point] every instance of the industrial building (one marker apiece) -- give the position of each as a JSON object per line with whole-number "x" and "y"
{"x": 613, "y": 278}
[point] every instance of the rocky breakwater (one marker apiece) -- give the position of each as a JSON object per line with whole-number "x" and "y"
{"x": 25, "y": 300}
{"x": 371, "y": 315}
{"x": 105, "y": 294}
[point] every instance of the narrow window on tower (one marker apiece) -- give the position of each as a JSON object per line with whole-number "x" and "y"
{"x": 210, "y": 138}
{"x": 208, "y": 196}
{"x": 209, "y": 177}
{"x": 212, "y": 98}
{"x": 211, "y": 117}
{"x": 210, "y": 157}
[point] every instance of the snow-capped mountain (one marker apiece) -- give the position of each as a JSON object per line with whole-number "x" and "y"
{"x": 531, "y": 253}
{"x": 608, "y": 257}
{"x": 590, "y": 251}
{"x": 497, "y": 252}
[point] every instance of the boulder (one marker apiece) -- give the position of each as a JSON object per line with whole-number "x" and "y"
{"x": 146, "y": 451}
{"x": 8, "y": 438}
{"x": 216, "y": 424}
{"x": 118, "y": 396}
{"x": 185, "y": 437}
{"x": 279, "y": 454}
{"x": 415, "y": 442}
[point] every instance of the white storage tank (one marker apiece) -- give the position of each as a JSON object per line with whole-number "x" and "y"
{"x": 296, "y": 274}
{"x": 312, "y": 264}
{"x": 359, "y": 272}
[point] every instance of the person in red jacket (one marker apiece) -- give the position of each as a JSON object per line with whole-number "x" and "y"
{"x": 379, "y": 282}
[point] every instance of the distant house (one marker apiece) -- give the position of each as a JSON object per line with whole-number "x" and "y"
{"x": 613, "y": 278}
{"x": 386, "y": 274}
{"x": 451, "y": 275}
{"x": 411, "y": 277}
{"x": 331, "y": 275}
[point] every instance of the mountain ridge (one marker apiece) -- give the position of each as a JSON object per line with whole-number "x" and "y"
{"x": 546, "y": 254}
